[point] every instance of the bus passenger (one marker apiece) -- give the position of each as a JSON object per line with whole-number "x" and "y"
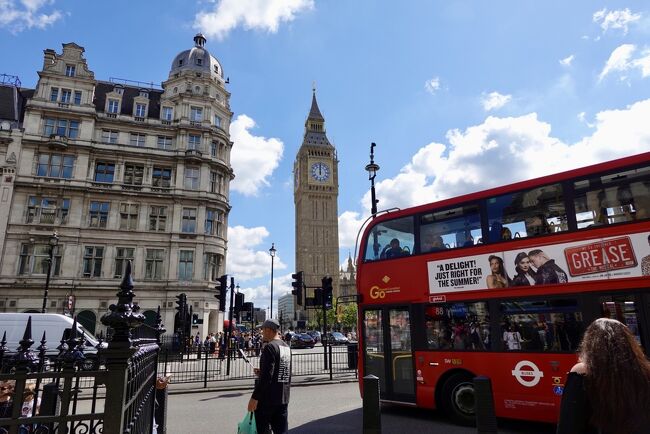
{"x": 506, "y": 234}
{"x": 393, "y": 250}
{"x": 608, "y": 390}
{"x": 499, "y": 277}
{"x": 432, "y": 243}
{"x": 525, "y": 274}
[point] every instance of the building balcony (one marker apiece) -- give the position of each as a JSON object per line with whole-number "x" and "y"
{"x": 57, "y": 141}
{"x": 193, "y": 155}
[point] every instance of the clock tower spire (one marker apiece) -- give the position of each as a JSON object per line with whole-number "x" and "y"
{"x": 316, "y": 204}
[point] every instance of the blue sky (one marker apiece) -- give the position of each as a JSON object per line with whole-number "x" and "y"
{"x": 458, "y": 95}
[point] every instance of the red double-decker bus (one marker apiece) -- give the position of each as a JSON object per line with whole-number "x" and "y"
{"x": 502, "y": 283}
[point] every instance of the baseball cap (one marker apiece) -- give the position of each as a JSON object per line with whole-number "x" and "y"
{"x": 271, "y": 323}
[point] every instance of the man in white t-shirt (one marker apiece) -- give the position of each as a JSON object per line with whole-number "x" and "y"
{"x": 512, "y": 339}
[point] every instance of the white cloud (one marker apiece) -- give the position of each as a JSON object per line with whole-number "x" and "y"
{"x": 260, "y": 295}
{"x": 251, "y": 14}
{"x": 501, "y": 151}
{"x": 620, "y": 19}
{"x": 432, "y": 85}
{"x": 245, "y": 262}
{"x": 494, "y": 100}
{"x": 21, "y": 15}
{"x": 253, "y": 158}
{"x": 349, "y": 224}
{"x": 622, "y": 60}
{"x": 567, "y": 60}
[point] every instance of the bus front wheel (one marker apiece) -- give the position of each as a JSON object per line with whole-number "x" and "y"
{"x": 458, "y": 399}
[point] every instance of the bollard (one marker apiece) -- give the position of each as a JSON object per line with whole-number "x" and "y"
{"x": 49, "y": 404}
{"x": 160, "y": 411}
{"x": 371, "y": 409}
{"x": 486, "y": 420}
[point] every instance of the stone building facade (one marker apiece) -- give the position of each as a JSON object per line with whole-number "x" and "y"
{"x": 121, "y": 171}
{"x": 316, "y": 189}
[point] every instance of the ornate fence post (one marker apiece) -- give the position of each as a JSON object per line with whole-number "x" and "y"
{"x": 122, "y": 318}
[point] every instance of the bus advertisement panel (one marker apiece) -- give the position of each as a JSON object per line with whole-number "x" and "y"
{"x": 607, "y": 258}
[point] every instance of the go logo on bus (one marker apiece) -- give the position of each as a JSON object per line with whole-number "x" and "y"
{"x": 377, "y": 292}
{"x": 527, "y": 373}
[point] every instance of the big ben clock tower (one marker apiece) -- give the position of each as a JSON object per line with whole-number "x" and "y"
{"x": 316, "y": 190}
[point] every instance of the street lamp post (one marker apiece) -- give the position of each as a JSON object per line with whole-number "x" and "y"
{"x": 272, "y": 253}
{"x": 372, "y": 169}
{"x": 54, "y": 241}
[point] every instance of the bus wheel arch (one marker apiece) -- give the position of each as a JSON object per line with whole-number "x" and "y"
{"x": 455, "y": 396}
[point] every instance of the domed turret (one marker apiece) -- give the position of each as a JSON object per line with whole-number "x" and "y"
{"x": 197, "y": 59}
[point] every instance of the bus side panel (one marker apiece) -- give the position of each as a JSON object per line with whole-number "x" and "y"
{"x": 525, "y": 386}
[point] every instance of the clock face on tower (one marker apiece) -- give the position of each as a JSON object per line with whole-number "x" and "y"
{"x": 320, "y": 171}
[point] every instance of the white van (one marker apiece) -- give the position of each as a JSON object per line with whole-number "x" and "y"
{"x": 55, "y": 327}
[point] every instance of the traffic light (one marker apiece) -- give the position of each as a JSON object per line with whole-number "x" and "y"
{"x": 297, "y": 287}
{"x": 222, "y": 290}
{"x": 181, "y": 306}
{"x": 327, "y": 291}
{"x": 195, "y": 319}
{"x": 318, "y": 296}
{"x": 239, "y": 302}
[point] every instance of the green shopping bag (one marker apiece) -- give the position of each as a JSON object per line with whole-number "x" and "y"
{"x": 247, "y": 425}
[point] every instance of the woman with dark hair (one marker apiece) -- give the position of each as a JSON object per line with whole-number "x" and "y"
{"x": 499, "y": 278}
{"x": 608, "y": 391}
{"x": 525, "y": 274}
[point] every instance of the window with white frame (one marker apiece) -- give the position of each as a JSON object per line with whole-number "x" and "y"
{"x": 118, "y": 90}
{"x": 213, "y": 149}
{"x": 55, "y": 165}
{"x": 194, "y": 142}
{"x": 35, "y": 259}
{"x": 61, "y": 127}
{"x": 110, "y": 136}
{"x": 196, "y": 114}
{"x": 217, "y": 121}
{"x": 161, "y": 177}
{"x": 188, "y": 223}
{"x": 210, "y": 221}
{"x": 54, "y": 94}
{"x": 157, "y": 218}
{"x": 70, "y": 70}
{"x": 192, "y": 178}
{"x": 140, "y": 110}
{"x": 153, "y": 268}
{"x": 104, "y": 172}
{"x": 92, "y": 261}
{"x": 47, "y": 210}
{"x": 144, "y": 94}
{"x": 113, "y": 105}
{"x": 164, "y": 142}
{"x": 122, "y": 256}
{"x": 220, "y": 223}
{"x": 133, "y": 174}
{"x": 214, "y": 186}
{"x": 211, "y": 263}
{"x": 138, "y": 139}
{"x": 185, "y": 264}
{"x": 66, "y": 95}
{"x": 167, "y": 113}
{"x": 77, "y": 97}
{"x": 98, "y": 214}
{"x": 129, "y": 216}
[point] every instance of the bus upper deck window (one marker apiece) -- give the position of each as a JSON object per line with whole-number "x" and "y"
{"x": 390, "y": 239}
{"x": 527, "y": 213}
{"x": 614, "y": 198}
